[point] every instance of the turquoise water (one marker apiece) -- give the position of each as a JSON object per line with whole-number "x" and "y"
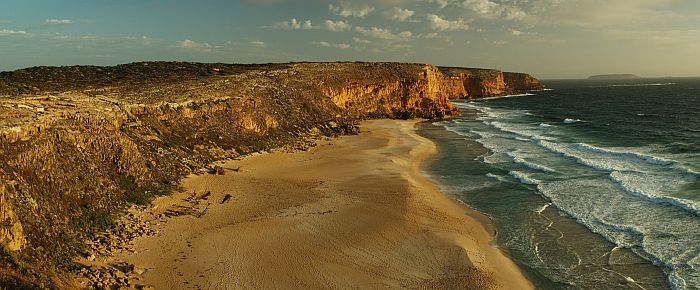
{"x": 593, "y": 185}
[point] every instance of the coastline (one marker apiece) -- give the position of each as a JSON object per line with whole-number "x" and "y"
{"x": 354, "y": 212}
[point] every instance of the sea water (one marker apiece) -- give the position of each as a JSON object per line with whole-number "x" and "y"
{"x": 592, "y": 184}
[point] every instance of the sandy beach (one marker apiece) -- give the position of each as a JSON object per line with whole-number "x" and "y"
{"x": 353, "y": 212}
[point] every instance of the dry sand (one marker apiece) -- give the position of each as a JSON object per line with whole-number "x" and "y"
{"x": 355, "y": 214}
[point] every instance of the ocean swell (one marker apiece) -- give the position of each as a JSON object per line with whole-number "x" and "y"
{"x": 645, "y": 187}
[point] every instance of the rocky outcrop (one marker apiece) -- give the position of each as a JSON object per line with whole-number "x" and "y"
{"x": 397, "y": 90}
{"x": 11, "y": 233}
{"x": 470, "y": 83}
{"x": 80, "y": 143}
{"x": 522, "y": 81}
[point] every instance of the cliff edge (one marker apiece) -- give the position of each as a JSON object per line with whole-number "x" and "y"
{"x": 78, "y": 144}
{"x": 474, "y": 83}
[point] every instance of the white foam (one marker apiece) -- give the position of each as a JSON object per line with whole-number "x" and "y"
{"x": 610, "y": 204}
{"x": 507, "y": 96}
{"x": 570, "y": 121}
{"x": 469, "y": 105}
{"x": 641, "y": 85}
{"x": 528, "y": 164}
{"x": 545, "y": 125}
{"x": 482, "y": 133}
{"x": 668, "y": 240}
{"x": 604, "y": 159}
{"x": 496, "y": 176}
{"x": 456, "y": 130}
{"x": 518, "y": 130}
{"x": 523, "y": 177}
{"x": 650, "y": 188}
{"x": 545, "y": 206}
{"x": 647, "y": 158}
{"x": 562, "y": 149}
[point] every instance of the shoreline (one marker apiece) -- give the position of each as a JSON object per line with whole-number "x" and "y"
{"x": 355, "y": 214}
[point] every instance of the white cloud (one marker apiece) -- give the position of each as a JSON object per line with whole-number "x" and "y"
{"x": 441, "y": 3}
{"x": 7, "y": 32}
{"x": 438, "y": 23}
{"x": 494, "y": 10}
{"x": 337, "y": 25}
{"x": 360, "y": 40}
{"x": 292, "y": 24}
{"x": 348, "y": 9}
{"x": 145, "y": 40}
{"x": 660, "y": 38}
{"x": 59, "y": 21}
{"x": 334, "y": 45}
{"x": 258, "y": 43}
{"x": 193, "y": 45}
{"x": 383, "y": 33}
{"x": 604, "y": 13}
{"x": 399, "y": 14}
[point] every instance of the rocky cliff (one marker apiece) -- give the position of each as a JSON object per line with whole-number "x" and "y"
{"x": 473, "y": 83}
{"x": 521, "y": 82}
{"x": 78, "y": 144}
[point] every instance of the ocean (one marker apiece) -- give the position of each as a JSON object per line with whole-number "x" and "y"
{"x": 591, "y": 184}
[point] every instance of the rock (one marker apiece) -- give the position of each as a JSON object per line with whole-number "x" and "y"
{"x": 11, "y": 232}
{"x": 522, "y": 81}
{"x": 138, "y": 271}
{"x": 315, "y": 131}
{"x": 217, "y": 170}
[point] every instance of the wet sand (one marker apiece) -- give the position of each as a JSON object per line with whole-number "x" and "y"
{"x": 353, "y": 212}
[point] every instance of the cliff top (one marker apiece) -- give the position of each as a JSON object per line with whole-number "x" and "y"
{"x": 47, "y": 93}
{"x": 139, "y": 77}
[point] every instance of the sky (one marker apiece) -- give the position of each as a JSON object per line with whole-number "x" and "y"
{"x": 547, "y": 38}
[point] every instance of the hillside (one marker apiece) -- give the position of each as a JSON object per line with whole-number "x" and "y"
{"x": 79, "y": 144}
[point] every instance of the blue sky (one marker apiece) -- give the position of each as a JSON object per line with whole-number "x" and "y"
{"x": 548, "y": 38}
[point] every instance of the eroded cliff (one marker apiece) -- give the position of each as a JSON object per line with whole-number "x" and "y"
{"x": 78, "y": 144}
{"x": 473, "y": 83}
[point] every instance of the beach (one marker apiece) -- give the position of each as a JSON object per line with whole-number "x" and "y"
{"x": 353, "y": 212}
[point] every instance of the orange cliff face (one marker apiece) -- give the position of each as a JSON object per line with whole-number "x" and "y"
{"x": 470, "y": 83}
{"x": 389, "y": 90}
{"x": 522, "y": 81}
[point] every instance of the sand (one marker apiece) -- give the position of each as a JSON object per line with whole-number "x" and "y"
{"x": 352, "y": 213}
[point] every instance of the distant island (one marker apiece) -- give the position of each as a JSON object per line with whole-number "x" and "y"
{"x": 613, "y": 77}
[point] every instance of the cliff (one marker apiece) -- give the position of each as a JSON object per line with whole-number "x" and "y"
{"x": 521, "y": 82}
{"x": 78, "y": 144}
{"x": 473, "y": 83}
